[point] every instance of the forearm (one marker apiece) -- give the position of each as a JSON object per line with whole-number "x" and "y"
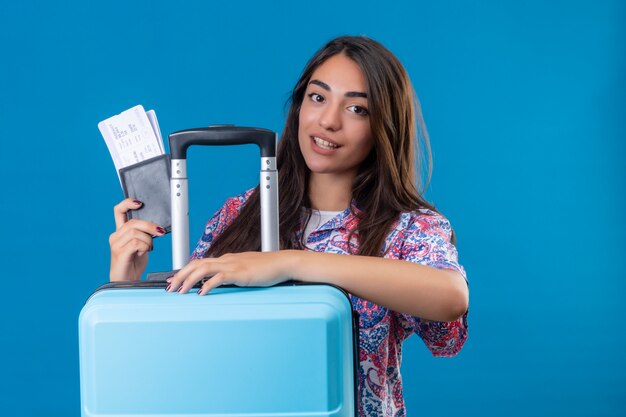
{"x": 405, "y": 287}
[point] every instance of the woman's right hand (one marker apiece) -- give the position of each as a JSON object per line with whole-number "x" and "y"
{"x": 130, "y": 243}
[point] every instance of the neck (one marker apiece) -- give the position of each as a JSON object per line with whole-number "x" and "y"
{"x": 329, "y": 192}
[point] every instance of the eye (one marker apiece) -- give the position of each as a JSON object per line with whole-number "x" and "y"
{"x": 360, "y": 110}
{"x": 316, "y": 97}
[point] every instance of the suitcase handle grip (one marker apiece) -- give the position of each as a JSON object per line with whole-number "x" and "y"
{"x": 221, "y": 135}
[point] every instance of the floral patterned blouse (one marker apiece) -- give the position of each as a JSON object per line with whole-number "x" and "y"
{"x": 420, "y": 236}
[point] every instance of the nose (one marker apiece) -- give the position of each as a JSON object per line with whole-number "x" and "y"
{"x": 330, "y": 118}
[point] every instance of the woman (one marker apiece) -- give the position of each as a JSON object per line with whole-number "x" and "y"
{"x": 348, "y": 187}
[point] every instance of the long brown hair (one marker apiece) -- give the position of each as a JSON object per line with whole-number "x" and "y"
{"x": 386, "y": 183}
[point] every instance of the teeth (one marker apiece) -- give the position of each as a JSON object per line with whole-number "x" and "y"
{"x": 324, "y": 144}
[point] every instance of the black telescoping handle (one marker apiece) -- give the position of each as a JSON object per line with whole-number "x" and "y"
{"x": 222, "y": 135}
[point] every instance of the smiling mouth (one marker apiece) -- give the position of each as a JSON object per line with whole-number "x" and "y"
{"x": 324, "y": 144}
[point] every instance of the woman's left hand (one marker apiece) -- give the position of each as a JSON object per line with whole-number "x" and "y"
{"x": 261, "y": 269}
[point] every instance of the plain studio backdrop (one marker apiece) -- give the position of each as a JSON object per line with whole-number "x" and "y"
{"x": 525, "y": 102}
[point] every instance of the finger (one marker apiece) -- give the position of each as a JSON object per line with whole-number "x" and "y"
{"x": 201, "y": 271}
{"x": 135, "y": 247}
{"x": 212, "y": 283}
{"x": 120, "y": 210}
{"x": 177, "y": 280}
{"x": 145, "y": 226}
{"x": 120, "y": 239}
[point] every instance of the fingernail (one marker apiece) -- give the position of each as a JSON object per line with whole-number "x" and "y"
{"x": 199, "y": 291}
{"x": 161, "y": 230}
{"x": 137, "y": 202}
{"x": 180, "y": 289}
{"x": 168, "y": 287}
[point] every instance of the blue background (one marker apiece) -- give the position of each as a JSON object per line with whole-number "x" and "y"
{"x": 525, "y": 102}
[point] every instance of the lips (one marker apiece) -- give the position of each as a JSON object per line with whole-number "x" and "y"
{"x": 325, "y": 143}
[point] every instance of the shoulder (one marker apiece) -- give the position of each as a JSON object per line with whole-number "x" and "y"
{"x": 425, "y": 237}
{"x": 229, "y": 211}
{"x": 424, "y": 223}
{"x": 237, "y": 202}
{"x": 222, "y": 218}
{"x": 240, "y": 199}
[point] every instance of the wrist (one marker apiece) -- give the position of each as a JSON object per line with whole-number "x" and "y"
{"x": 295, "y": 264}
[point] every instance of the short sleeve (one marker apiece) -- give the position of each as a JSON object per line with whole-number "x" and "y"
{"x": 223, "y": 218}
{"x": 427, "y": 241}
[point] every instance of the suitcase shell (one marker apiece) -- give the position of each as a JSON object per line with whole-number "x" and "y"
{"x": 287, "y": 350}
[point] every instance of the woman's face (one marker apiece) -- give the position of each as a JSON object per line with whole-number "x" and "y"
{"x": 334, "y": 132}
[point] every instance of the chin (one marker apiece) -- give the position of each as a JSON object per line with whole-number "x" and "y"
{"x": 318, "y": 169}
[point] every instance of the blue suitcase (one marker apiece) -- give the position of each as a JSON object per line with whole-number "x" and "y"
{"x": 287, "y": 350}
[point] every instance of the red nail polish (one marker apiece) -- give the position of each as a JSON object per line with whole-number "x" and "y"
{"x": 199, "y": 291}
{"x": 180, "y": 289}
{"x": 137, "y": 202}
{"x": 160, "y": 230}
{"x": 168, "y": 287}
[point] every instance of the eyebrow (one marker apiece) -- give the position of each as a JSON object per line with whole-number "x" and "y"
{"x": 348, "y": 94}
